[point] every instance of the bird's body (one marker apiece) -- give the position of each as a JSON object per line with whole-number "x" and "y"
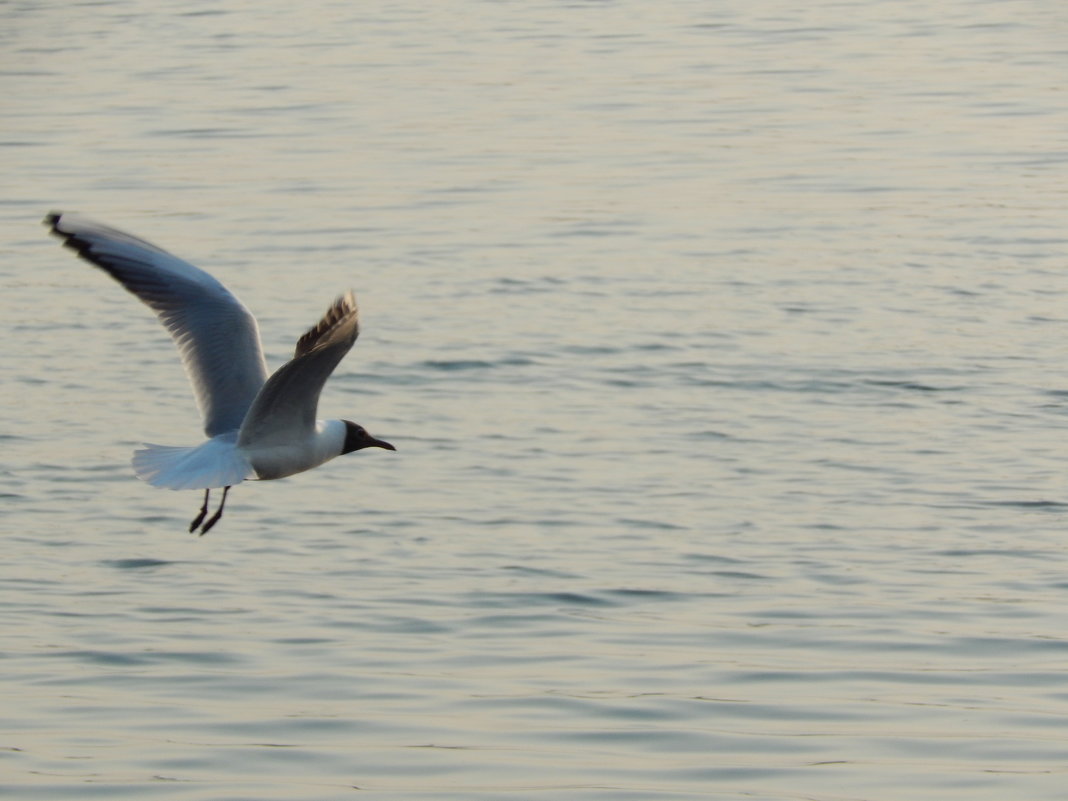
{"x": 280, "y": 459}
{"x": 258, "y": 427}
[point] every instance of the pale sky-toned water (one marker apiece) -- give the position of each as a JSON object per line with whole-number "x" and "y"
{"x": 722, "y": 343}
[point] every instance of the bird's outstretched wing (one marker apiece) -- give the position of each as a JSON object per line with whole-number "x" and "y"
{"x": 285, "y": 407}
{"x": 216, "y": 335}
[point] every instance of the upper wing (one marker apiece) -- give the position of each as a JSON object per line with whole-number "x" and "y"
{"x": 285, "y": 407}
{"x": 216, "y": 335}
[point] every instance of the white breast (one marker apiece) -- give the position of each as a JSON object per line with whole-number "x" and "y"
{"x": 279, "y": 460}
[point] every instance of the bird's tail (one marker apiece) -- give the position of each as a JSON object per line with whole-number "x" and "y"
{"x": 215, "y": 463}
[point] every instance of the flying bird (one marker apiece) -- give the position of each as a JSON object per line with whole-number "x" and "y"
{"x": 257, "y": 427}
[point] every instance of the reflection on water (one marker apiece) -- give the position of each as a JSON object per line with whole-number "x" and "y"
{"x": 720, "y": 343}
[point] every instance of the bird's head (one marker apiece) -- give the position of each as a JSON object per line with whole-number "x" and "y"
{"x": 356, "y": 437}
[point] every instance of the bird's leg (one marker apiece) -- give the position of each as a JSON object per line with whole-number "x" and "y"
{"x": 215, "y": 517}
{"x": 200, "y": 515}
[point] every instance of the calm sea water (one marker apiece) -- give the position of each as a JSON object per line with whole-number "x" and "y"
{"x": 723, "y": 343}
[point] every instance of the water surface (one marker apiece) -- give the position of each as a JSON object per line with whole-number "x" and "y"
{"x": 722, "y": 346}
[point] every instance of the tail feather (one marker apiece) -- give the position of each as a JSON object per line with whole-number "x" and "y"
{"x": 215, "y": 463}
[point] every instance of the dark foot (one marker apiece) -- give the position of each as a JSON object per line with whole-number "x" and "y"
{"x": 215, "y": 517}
{"x": 211, "y": 522}
{"x": 200, "y": 515}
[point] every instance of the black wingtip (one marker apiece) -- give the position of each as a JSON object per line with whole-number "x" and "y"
{"x": 71, "y": 239}
{"x": 344, "y": 306}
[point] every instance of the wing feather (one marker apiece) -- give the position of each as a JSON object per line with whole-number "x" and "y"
{"x": 286, "y": 406}
{"x": 217, "y": 337}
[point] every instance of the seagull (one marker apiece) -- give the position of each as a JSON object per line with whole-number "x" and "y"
{"x": 257, "y": 427}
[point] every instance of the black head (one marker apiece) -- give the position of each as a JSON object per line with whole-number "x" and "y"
{"x": 356, "y": 437}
